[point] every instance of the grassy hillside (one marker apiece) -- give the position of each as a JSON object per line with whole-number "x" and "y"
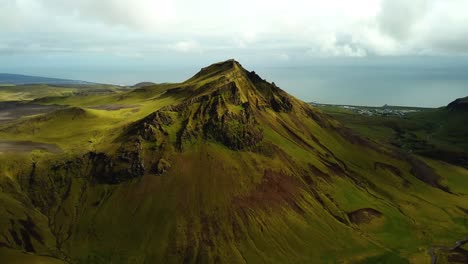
{"x": 222, "y": 168}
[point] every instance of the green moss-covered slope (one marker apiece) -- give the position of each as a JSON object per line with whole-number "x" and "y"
{"x": 222, "y": 168}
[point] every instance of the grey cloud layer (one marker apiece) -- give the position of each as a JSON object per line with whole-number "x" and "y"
{"x": 334, "y": 28}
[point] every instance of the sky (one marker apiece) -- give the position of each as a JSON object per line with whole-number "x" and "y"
{"x": 122, "y": 41}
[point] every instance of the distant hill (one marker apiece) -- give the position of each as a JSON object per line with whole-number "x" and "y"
{"x": 143, "y": 84}
{"x": 18, "y": 79}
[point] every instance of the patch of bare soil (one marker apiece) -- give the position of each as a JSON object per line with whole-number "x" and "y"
{"x": 425, "y": 173}
{"x": 27, "y": 146}
{"x": 14, "y": 110}
{"x": 364, "y": 216}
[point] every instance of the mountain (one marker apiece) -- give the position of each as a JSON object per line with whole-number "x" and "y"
{"x": 18, "y": 79}
{"x": 222, "y": 168}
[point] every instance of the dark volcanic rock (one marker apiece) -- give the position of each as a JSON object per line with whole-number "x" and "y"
{"x": 126, "y": 165}
{"x": 152, "y": 127}
{"x": 277, "y": 99}
{"x": 236, "y": 131}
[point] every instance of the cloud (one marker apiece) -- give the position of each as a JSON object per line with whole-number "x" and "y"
{"x": 331, "y": 28}
{"x": 331, "y": 45}
{"x": 397, "y": 18}
{"x": 444, "y": 30}
{"x": 187, "y": 46}
{"x": 139, "y": 14}
{"x": 283, "y": 57}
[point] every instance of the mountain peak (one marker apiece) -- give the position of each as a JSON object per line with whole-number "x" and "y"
{"x": 223, "y": 103}
{"x": 229, "y": 80}
{"x": 231, "y": 63}
{"x": 218, "y": 69}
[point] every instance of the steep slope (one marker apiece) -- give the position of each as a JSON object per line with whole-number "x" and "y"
{"x": 233, "y": 170}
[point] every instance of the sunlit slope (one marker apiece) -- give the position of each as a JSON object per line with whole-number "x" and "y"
{"x": 229, "y": 168}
